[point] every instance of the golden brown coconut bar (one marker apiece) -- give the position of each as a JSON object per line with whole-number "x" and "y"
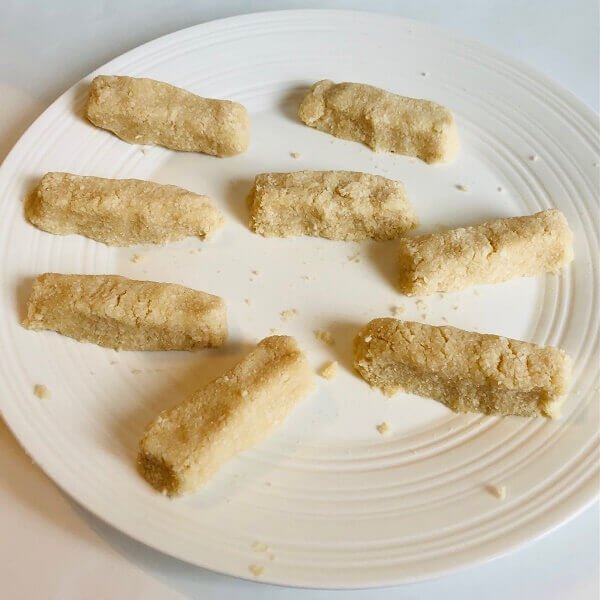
{"x": 491, "y": 252}
{"x": 120, "y": 212}
{"x": 383, "y": 121}
{"x": 183, "y": 448}
{"x": 125, "y": 314}
{"x": 144, "y": 111}
{"x": 338, "y": 205}
{"x": 466, "y": 371}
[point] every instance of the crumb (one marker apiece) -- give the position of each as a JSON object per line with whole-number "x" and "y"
{"x": 194, "y": 251}
{"x": 274, "y": 331}
{"x": 382, "y": 428}
{"x": 461, "y": 187}
{"x": 533, "y": 157}
{"x": 476, "y": 292}
{"x": 444, "y": 319}
{"x": 500, "y": 189}
{"x": 424, "y": 74}
{"x": 136, "y": 258}
{"x": 268, "y": 483}
{"x": 295, "y": 154}
{"x": 325, "y": 336}
{"x": 398, "y": 310}
{"x": 247, "y": 301}
{"x": 256, "y": 570}
{"x": 288, "y": 314}
{"x": 260, "y": 547}
{"x": 113, "y": 362}
{"x": 422, "y": 307}
{"x": 136, "y": 371}
{"x": 355, "y": 258}
{"x": 329, "y": 370}
{"x": 41, "y": 391}
{"x": 145, "y": 150}
{"x": 455, "y": 307}
{"x": 499, "y": 491}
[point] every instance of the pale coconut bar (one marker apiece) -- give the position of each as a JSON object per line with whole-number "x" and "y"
{"x": 144, "y": 111}
{"x": 120, "y": 212}
{"x": 126, "y": 314}
{"x": 338, "y": 205}
{"x": 466, "y": 371}
{"x": 183, "y": 448}
{"x": 383, "y": 121}
{"x": 491, "y": 252}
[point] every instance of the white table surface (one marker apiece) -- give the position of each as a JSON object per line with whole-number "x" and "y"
{"x": 53, "y": 549}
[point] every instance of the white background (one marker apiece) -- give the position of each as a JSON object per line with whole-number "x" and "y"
{"x": 51, "y": 548}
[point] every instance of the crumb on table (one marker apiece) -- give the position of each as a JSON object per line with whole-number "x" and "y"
{"x": 382, "y": 428}
{"x": 41, "y": 391}
{"x": 329, "y": 370}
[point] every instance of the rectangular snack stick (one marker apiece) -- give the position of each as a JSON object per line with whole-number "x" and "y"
{"x": 144, "y": 111}
{"x": 120, "y": 212}
{"x": 487, "y": 253}
{"x": 186, "y": 445}
{"x": 466, "y": 371}
{"x": 338, "y": 205}
{"x": 383, "y": 121}
{"x": 126, "y": 314}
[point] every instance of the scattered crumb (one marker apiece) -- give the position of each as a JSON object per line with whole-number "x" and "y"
{"x": 500, "y": 189}
{"x": 41, "y": 391}
{"x": 533, "y": 157}
{"x": 136, "y": 258}
{"x": 398, "y": 310}
{"x": 444, "y": 319}
{"x": 461, "y": 187}
{"x": 455, "y": 307}
{"x": 325, "y": 336}
{"x": 247, "y": 301}
{"x": 355, "y": 258}
{"x": 295, "y": 154}
{"x": 308, "y": 278}
{"x": 383, "y": 428}
{"x": 145, "y": 150}
{"x": 288, "y": 314}
{"x": 329, "y": 370}
{"x": 136, "y": 371}
{"x": 260, "y": 547}
{"x": 274, "y": 331}
{"x": 194, "y": 251}
{"x": 422, "y": 307}
{"x": 113, "y": 362}
{"x": 256, "y": 570}
{"x": 499, "y": 491}
{"x": 424, "y": 74}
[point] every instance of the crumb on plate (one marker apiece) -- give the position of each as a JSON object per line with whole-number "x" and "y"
{"x": 329, "y": 370}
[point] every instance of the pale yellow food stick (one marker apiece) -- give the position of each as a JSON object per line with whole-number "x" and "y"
{"x": 183, "y": 448}
{"x": 126, "y": 314}
{"x": 144, "y": 111}
{"x": 383, "y": 121}
{"x": 466, "y": 371}
{"x": 120, "y": 212}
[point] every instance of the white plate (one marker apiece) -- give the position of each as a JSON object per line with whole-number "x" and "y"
{"x": 338, "y": 504}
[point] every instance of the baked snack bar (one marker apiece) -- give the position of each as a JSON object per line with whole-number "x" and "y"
{"x": 120, "y": 212}
{"x": 383, "y": 121}
{"x": 338, "y": 205}
{"x": 466, "y": 371}
{"x": 121, "y": 313}
{"x": 144, "y": 111}
{"x": 487, "y": 253}
{"x": 186, "y": 445}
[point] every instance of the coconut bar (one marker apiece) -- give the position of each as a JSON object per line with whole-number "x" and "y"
{"x": 144, "y": 111}
{"x": 466, "y": 371}
{"x": 487, "y": 253}
{"x": 184, "y": 447}
{"x": 125, "y": 314}
{"x": 120, "y": 212}
{"x": 338, "y": 205}
{"x": 383, "y": 121}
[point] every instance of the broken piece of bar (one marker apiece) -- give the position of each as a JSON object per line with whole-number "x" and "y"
{"x": 120, "y": 212}
{"x": 491, "y": 252}
{"x": 382, "y": 120}
{"x": 338, "y": 205}
{"x": 466, "y": 371}
{"x": 186, "y": 445}
{"x": 144, "y": 111}
{"x": 125, "y": 314}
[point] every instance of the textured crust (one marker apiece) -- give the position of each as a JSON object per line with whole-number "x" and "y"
{"x": 468, "y": 372}
{"x": 383, "y": 121}
{"x": 125, "y": 314}
{"x": 338, "y": 205}
{"x": 487, "y": 253}
{"x": 186, "y": 445}
{"x": 144, "y": 111}
{"x": 120, "y": 212}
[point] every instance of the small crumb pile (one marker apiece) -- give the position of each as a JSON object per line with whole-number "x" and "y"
{"x": 41, "y": 391}
{"x": 329, "y": 370}
{"x": 325, "y": 336}
{"x": 288, "y": 314}
{"x": 383, "y": 428}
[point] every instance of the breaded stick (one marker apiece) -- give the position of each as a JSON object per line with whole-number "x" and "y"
{"x": 383, "y": 121}
{"x": 120, "y": 212}
{"x": 125, "y": 314}
{"x": 487, "y": 253}
{"x": 144, "y": 111}
{"x": 468, "y": 372}
{"x": 338, "y": 205}
{"x": 186, "y": 445}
